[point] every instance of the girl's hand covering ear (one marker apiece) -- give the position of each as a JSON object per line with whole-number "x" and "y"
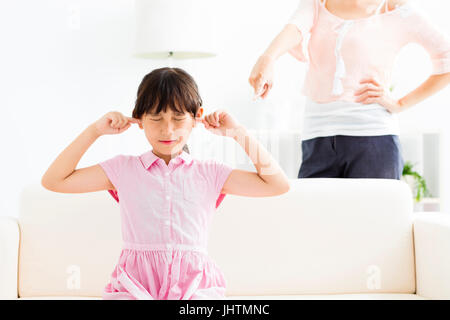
{"x": 113, "y": 123}
{"x": 220, "y": 122}
{"x": 372, "y": 91}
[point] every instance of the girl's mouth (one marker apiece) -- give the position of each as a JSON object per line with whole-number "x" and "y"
{"x": 167, "y": 141}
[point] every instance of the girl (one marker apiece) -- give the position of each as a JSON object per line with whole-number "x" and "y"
{"x": 167, "y": 198}
{"x": 350, "y": 124}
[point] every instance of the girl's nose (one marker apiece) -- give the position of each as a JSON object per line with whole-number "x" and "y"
{"x": 167, "y": 128}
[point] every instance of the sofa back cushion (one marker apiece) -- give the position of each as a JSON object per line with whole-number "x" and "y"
{"x": 323, "y": 236}
{"x": 69, "y": 242}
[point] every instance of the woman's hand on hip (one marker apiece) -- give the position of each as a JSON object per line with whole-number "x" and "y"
{"x": 372, "y": 91}
{"x": 113, "y": 123}
{"x": 261, "y": 77}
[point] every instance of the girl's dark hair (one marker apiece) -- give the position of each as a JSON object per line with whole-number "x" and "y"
{"x": 166, "y": 88}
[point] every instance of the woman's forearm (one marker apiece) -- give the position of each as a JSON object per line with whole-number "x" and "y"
{"x": 266, "y": 167}
{"x": 432, "y": 85}
{"x": 261, "y": 76}
{"x": 67, "y": 161}
{"x": 288, "y": 38}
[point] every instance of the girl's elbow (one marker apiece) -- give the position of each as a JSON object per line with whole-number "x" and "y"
{"x": 46, "y": 184}
{"x": 282, "y": 189}
{"x": 286, "y": 188}
{"x": 49, "y": 185}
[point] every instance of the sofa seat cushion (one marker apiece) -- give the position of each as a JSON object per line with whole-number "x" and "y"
{"x": 352, "y": 296}
{"x": 349, "y": 296}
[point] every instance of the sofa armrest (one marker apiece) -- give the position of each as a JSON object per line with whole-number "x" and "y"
{"x": 432, "y": 254}
{"x": 9, "y": 257}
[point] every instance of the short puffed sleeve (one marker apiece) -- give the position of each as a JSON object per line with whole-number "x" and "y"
{"x": 217, "y": 173}
{"x": 113, "y": 168}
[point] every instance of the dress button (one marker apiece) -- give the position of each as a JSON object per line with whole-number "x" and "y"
{"x": 167, "y": 174}
{"x": 167, "y": 222}
{"x": 167, "y": 198}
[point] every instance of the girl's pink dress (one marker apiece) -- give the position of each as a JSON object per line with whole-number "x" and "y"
{"x": 166, "y": 211}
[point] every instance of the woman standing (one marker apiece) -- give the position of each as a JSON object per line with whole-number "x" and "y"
{"x": 350, "y": 125}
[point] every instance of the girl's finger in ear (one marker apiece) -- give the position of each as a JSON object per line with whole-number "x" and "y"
{"x": 133, "y": 120}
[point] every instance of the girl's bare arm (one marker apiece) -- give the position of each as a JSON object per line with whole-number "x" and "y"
{"x": 62, "y": 175}
{"x": 268, "y": 180}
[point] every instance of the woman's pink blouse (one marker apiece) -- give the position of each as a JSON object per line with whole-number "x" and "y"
{"x": 343, "y": 52}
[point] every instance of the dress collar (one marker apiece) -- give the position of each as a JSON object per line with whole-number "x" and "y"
{"x": 149, "y": 158}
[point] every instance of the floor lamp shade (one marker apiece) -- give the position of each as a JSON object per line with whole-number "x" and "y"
{"x": 182, "y": 29}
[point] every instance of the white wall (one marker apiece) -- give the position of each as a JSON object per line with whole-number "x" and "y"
{"x": 66, "y": 63}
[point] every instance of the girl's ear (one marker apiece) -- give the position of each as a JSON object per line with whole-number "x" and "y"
{"x": 198, "y": 116}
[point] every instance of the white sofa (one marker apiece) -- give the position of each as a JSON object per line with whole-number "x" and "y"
{"x": 324, "y": 239}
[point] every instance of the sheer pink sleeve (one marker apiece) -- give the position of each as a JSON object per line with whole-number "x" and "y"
{"x": 303, "y": 18}
{"x": 419, "y": 28}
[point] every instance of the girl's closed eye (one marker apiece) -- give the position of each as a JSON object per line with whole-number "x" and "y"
{"x": 179, "y": 116}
